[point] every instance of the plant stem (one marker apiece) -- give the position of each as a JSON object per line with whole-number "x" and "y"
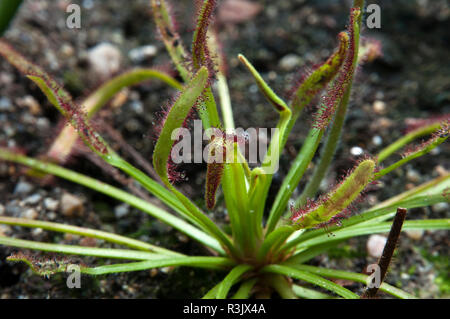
{"x": 225, "y": 101}
{"x": 291, "y": 181}
{"x": 328, "y": 151}
{"x": 388, "y": 250}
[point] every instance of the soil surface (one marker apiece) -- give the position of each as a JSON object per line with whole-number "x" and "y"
{"x": 282, "y": 39}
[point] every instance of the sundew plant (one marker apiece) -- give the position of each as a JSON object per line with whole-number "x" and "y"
{"x": 267, "y": 249}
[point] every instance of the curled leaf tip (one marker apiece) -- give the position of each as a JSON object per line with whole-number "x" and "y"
{"x": 44, "y": 266}
{"x": 312, "y": 82}
{"x": 328, "y": 208}
{"x": 336, "y": 90}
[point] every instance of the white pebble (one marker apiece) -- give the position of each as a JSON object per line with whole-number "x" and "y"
{"x": 356, "y": 151}
{"x": 375, "y": 245}
{"x": 377, "y": 140}
{"x": 121, "y": 210}
{"x": 51, "y": 204}
{"x": 141, "y": 54}
{"x": 415, "y": 234}
{"x": 30, "y": 214}
{"x": 440, "y": 207}
{"x": 379, "y": 107}
{"x": 71, "y": 205}
{"x": 290, "y": 62}
{"x": 105, "y": 59}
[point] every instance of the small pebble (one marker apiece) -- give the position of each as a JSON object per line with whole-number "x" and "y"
{"x": 377, "y": 140}
{"x": 356, "y": 151}
{"x": 29, "y": 213}
{"x": 153, "y": 272}
{"x": 379, "y": 107}
{"x": 413, "y": 176}
{"x": 375, "y": 245}
{"x": 67, "y": 50}
{"x": 51, "y": 204}
{"x": 165, "y": 270}
{"x": 290, "y": 62}
{"x": 182, "y": 238}
{"x": 5, "y": 230}
{"x": 415, "y": 234}
{"x": 31, "y": 103}
{"x": 405, "y": 276}
{"x": 140, "y": 54}
{"x": 5, "y": 104}
{"x": 33, "y": 199}
{"x": 51, "y": 216}
{"x": 42, "y": 123}
{"x": 37, "y": 231}
{"x": 88, "y": 242}
{"x": 23, "y": 188}
{"x": 440, "y": 170}
{"x": 105, "y": 59}
{"x": 440, "y": 207}
{"x": 13, "y": 209}
{"x": 121, "y": 210}
{"x": 71, "y": 205}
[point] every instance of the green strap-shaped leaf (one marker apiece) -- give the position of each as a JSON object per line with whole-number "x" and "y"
{"x": 311, "y": 278}
{"x": 270, "y": 95}
{"x": 230, "y": 279}
{"x": 121, "y": 195}
{"x": 87, "y": 232}
{"x": 174, "y": 120}
{"x": 47, "y": 267}
{"x": 166, "y": 27}
{"x": 321, "y": 76}
{"x": 340, "y": 198}
{"x": 340, "y": 274}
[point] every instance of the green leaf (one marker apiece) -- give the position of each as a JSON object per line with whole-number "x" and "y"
{"x": 349, "y": 232}
{"x": 340, "y": 198}
{"x": 311, "y": 278}
{"x": 298, "y": 168}
{"x": 92, "y": 233}
{"x": 426, "y": 194}
{"x": 8, "y": 10}
{"x": 309, "y": 293}
{"x": 116, "y": 193}
{"x": 340, "y": 274}
{"x": 270, "y": 95}
{"x": 174, "y": 120}
{"x": 230, "y": 279}
{"x": 245, "y": 289}
{"x": 166, "y": 27}
{"x": 308, "y": 89}
{"x": 423, "y": 149}
{"x": 82, "y": 251}
{"x": 218, "y": 263}
{"x": 408, "y": 138}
